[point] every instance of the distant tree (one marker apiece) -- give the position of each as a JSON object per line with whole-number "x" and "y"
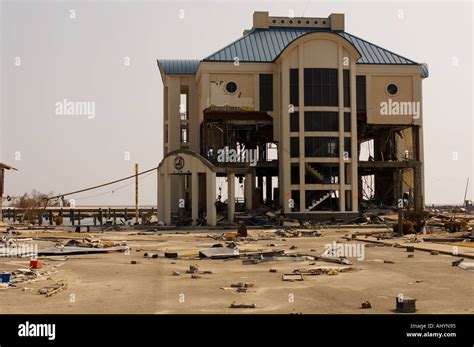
{"x": 34, "y": 202}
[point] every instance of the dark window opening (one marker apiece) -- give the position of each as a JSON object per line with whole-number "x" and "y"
{"x": 266, "y": 92}
{"x": 294, "y": 147}
{"x": 294, "y": 121}
{"x": 321, "y": 121}
{"x": 320, "y": 87}
{"x": 347, "y": 122}
{"x": 361, "y": 93}
{"x": 347, "y": 147}
{"x": 295, "y": 174}
{"x": 347, "y": 89}
{"x": 321, "y": 147}
{"x": 294, "y": 87}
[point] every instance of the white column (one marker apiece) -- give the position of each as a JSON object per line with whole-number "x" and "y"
{"x": 167, "y": 197}
{"x": 354, "y": 152}
{"x": 194, "y": 197}
{"x": 161, "y": 197}
{"x": 342, "y": 178}
{"x": 211, "y": 198}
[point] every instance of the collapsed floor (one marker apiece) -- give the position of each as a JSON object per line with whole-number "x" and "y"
{"x": 269, "y": 271}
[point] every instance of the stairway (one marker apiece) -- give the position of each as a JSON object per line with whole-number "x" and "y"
{"x": 321, "y": 199}
{"x": 315, "y": 173}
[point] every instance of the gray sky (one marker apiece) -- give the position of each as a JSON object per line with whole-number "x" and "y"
{"x": 83, "y": 59}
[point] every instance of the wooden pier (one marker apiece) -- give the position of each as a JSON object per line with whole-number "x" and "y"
{"x": 99, "y": 215}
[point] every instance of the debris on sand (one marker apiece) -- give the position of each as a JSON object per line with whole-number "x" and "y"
{"x": 49, "y": 291}
{"x": 234, "y": 305}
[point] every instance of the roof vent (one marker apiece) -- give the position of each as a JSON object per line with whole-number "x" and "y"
{"x": 261, "y": 20}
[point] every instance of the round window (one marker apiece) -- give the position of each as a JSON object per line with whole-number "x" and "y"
{"x": 392, "y": 89}
{"x": 231, "y": 87}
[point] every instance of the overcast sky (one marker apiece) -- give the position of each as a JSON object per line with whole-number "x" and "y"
{"x": 48, "y": 56}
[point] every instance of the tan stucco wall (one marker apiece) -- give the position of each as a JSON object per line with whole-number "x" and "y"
{"x": 408, "y": 80}
{"x": 317, "y": 50}
{"x": 243, "y": 97}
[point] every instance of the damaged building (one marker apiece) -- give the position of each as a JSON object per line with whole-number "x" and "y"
{"x": 304, "y": 115}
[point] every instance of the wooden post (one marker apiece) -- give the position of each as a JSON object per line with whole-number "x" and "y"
{"x": 79, "y": 217}
{"x": 100, "y": 217}
{"x": 115, "y": 216}
{"x": 400, "y": 222}
{"x": 126, "y": 214}
{"x": 61, "y": 215}
{"x": 71, "y": 216}
{"x": 50, "y": 217}
{"x": 136, "y": 193}
{"x": 94, "y": 218}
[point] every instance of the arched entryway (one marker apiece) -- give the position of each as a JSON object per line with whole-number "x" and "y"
{"x": 184, "y": 162}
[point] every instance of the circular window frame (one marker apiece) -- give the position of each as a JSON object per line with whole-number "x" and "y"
{"x": 388, "y": 85}
{"x": 236, "y": 87}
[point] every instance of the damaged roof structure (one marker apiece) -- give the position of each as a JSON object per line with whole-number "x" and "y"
{"x": 304, "y": 115}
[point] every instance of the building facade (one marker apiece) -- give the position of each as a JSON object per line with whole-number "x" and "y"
{"x": 288, "y": 110}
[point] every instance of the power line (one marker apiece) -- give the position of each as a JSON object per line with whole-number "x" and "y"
{"x": 111, "y": 191}
{"x": 101, "y": 185}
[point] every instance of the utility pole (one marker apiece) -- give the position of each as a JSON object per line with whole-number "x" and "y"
{"x": 136, "y": 193}
{"x": 465, "y": 193}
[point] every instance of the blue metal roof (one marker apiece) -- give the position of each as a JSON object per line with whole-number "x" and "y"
{"x": 265, "y": 45}
{"x": 179, "y": 66}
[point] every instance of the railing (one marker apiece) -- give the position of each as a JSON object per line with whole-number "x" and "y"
{"x": 76, "y": 214}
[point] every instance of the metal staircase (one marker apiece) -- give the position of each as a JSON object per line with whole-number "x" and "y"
{"x": 317, "y": 202}
{"x": 315, "y": 173}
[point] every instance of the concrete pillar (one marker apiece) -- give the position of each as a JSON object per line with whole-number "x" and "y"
{"x": 174, "y": 134}
{"x": 211, "y": 198}
{"x": 167, "y": 198}
{"x": 284, "y": 144}
{"x": 342, "y": 176}
{"x": 417, "y": 172}
{"x": 174, "y": 117}
{"x": 231, "y": 196}
{"x": 248, "y": 187}
{"x": 194, "y": 197}
{"x": 194, "y": 130}
{"x": 354, "y": 148}
{"x": 268, "y": 188}
{"x": 161, "y": 197}
{"x": 302, "y": 158}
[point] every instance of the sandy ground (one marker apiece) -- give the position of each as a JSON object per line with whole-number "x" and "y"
{"x": 109, "y": 283}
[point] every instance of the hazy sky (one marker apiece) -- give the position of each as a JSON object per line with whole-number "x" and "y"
{"x": 47, "y": 57}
